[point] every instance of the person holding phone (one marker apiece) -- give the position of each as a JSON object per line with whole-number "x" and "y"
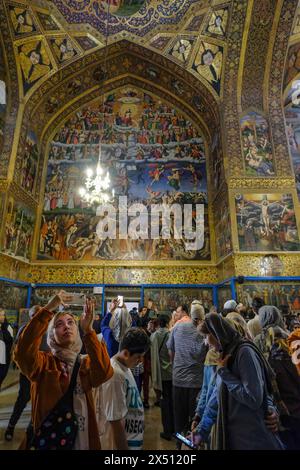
{"x": 50, "y": 372}
{"x": 114, "y": 325}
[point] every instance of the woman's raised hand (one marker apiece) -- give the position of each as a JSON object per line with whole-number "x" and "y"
{"x": 61, "y": 298}
{"x": 87, "y": 318}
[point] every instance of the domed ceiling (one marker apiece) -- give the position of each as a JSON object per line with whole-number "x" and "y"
{"x": 133, "y": 16}
{"x": 191, "y": 33}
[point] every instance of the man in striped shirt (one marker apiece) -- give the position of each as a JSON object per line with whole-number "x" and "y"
{"x": 187, "y": 351}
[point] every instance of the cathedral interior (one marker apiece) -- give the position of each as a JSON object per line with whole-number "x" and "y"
{"x": 192, "y": 102}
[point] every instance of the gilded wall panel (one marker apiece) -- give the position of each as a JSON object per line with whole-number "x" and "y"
{"x": 12, "y": 93}
{"x": 261, "y": 183}
{"x": 230, "y": 110}
{"x": 226, "y": 268}
{"x": 254, "y": 265}
{"x": 182, "y": 275}
{"x": 65, "y": 274}
{"x": 13, "y": 269}
{"x": 276, "y": 114}
{"x": 256, "y": 53}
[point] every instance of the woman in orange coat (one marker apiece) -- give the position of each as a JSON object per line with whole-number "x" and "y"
{"x": 50, "y": 372}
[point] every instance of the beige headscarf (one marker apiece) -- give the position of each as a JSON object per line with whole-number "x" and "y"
{"x": 67, "y": 355}
{"x": 237, "y": 318}
{"x": 120, "y": 322}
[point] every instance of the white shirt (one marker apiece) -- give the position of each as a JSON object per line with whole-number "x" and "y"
{"x": 122, "y": 400}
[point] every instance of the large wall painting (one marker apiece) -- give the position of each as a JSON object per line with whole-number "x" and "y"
{"x": 42, "y": 295}
{"x": 223, "y": 228}
{"x": 275, "y": 293}
{"x": 292, "y": 117}
{"x": 224, "y": 294}
{"x": 256, "y": 143}
{"x": 12, "y": 299}
{"x": 153, "y": 153}
{"x": 169, "y": 299}
{"x": 217, "y": 161}
{"x": 266, "y": 222}
{"x": 29, "y": 162}
{"x": 18, "y": 231}
{"x": 3, "y": 98}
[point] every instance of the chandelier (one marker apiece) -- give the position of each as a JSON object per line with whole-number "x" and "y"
{"x": 96, "y": 190}
{"x": 97, "y": 185}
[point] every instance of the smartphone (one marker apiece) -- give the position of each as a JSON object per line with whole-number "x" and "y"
{"x": 120, "y": 300}
{"x": 77, "y": 299}
{"x": 185, "y": 441}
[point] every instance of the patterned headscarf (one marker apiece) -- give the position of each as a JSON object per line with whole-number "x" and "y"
{"x": 274, "y": 335}
{"x": 294, "y": 347}
{"x": 69, "y": 354}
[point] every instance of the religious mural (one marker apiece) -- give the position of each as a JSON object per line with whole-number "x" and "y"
{"x": 256, "y": 145}
{"x": 21, "y": 20}
{"x": 168, "y": 299}
{"x": 292, "y": 68}
{"x": 266, "y": 222}
{"x": 86, "y": 42}
{"x": 63, "y": 49}
{"x": 292, "y": 117}
{"x": 42, "y": 295}
{"x": 3, "y": 99}
{"x": 121, "y": 7}
{"x": 29, "y": 162}
{"x": 182, "y": 49}
{"x": 223, "y": 228}
{"x": 217, "y": 161}
{"x": 208, "y": 64}
{"x": 153, "y": 154}
{"x": 18, "y": 231}
{"x": 275, "y": 293}
{"x": 160, "y": 42}
{"x": 47, "y": 21}
{"x": 217, "y": 23}
{"x": 12, "y": 299}
{"x": 34, "y": 63}
{"x": 134, "y": 16}
{"x": 224, "y": 294}
{"x": 195, "y": 23}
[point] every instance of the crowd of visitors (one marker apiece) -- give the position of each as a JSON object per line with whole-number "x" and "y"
{"x": 223, "y": 379}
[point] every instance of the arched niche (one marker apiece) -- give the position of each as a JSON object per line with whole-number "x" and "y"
{"x": 156, "y": 152}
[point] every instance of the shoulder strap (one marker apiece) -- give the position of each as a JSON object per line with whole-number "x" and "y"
{"x": 74, "y": 376}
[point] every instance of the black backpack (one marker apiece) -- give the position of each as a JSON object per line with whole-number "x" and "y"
{"x": 59, "y": 429}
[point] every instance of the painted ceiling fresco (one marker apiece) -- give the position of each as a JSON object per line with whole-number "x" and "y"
{"x": 149, "y": 13}
{"x": 48, "y": 35}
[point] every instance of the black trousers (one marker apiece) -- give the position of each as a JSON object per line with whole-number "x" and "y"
{"x": 166, "y": 406}
{"x": 184, "y": 407}
{"x": 22, "y": 400}
{"x": 3, "y": 372}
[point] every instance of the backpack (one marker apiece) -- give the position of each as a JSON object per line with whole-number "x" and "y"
{"x": 59, "y": 429}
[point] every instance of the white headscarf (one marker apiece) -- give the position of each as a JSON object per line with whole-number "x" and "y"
{"x": 69, "y": 354}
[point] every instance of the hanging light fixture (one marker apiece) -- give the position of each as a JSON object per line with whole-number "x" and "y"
{"x": 97, "y": 185}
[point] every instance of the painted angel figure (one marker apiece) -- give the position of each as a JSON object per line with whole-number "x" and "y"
{"x": 21, "y": 21}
